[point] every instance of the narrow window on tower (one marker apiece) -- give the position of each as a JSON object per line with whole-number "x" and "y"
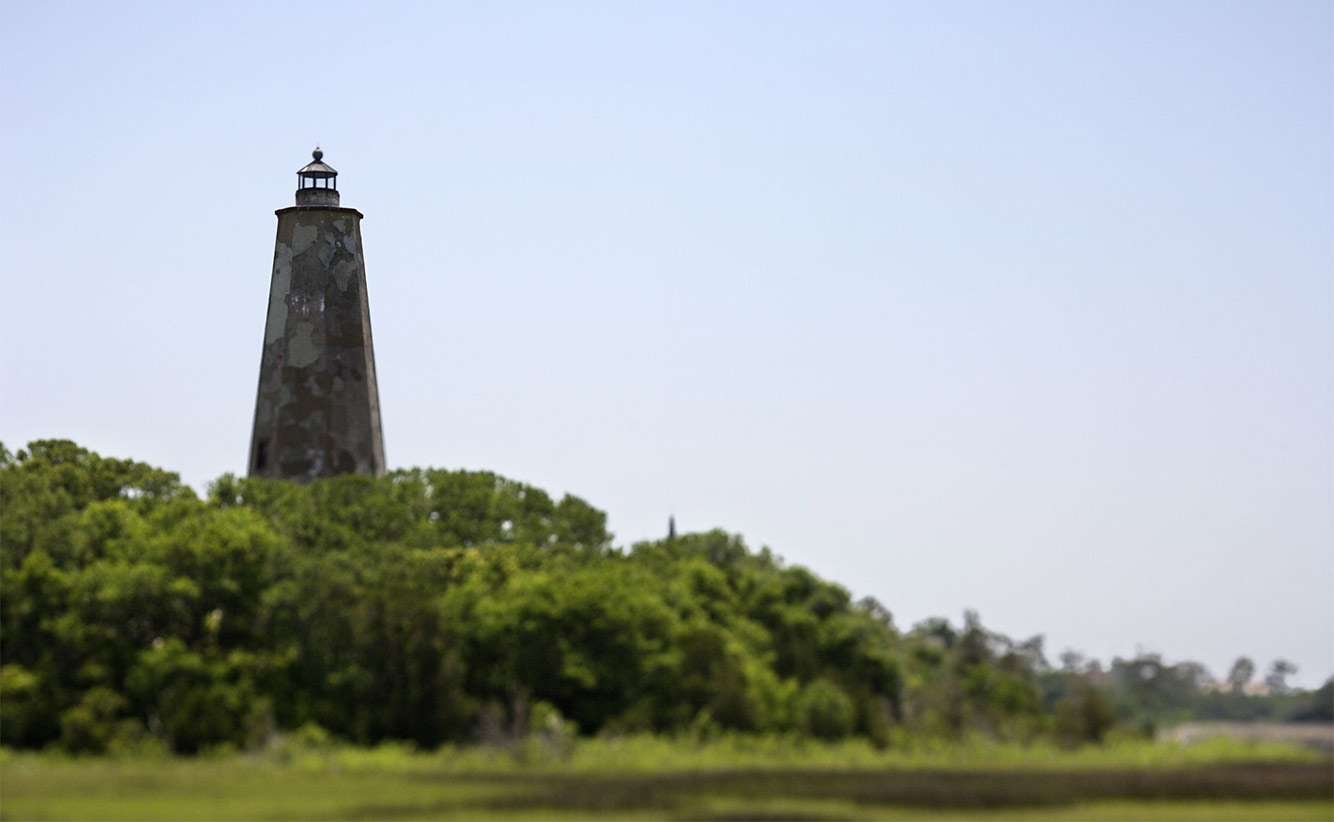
{"x": 261, "y": 454}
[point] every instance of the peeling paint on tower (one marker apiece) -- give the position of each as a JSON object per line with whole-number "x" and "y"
{"x": 317, "y": 412}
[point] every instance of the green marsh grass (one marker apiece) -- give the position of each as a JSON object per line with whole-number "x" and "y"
{"x": 656, "y": 778}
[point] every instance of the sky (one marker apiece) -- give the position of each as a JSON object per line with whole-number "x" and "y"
{"x": 1026, "y": 308}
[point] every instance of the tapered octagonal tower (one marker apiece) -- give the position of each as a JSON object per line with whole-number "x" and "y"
{"x": 318, "y": 409}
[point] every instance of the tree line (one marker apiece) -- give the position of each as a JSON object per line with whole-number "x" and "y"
{"x": 436, "y": 607}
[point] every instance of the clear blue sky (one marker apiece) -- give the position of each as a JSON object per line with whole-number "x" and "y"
{"x": 1021, "y": 307}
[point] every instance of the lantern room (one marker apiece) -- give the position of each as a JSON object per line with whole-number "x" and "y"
{"x": 317, "y": 182}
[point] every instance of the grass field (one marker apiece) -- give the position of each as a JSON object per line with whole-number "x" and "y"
{"x": 655, "y": 779}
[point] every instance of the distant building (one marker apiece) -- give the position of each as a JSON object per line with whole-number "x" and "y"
{"x": 317, "y": 412}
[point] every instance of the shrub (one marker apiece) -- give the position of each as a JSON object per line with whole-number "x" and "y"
{"x": 90, "y": 726}
{"x": 824, "y": 711}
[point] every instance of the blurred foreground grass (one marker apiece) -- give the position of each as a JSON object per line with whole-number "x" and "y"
{"x": 657, "y": 778}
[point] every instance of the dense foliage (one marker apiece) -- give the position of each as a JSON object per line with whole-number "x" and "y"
{"x": 435, "y": 606}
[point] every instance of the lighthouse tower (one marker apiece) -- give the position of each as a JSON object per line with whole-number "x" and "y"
{"x": 317, "y": 413}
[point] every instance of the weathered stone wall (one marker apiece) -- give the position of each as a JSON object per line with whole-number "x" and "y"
{"x": 318, "y": 408}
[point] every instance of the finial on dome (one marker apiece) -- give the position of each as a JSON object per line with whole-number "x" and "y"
{"x": 317, "y": 154}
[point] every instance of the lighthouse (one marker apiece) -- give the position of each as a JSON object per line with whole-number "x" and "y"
{"x": 317, "y": 411}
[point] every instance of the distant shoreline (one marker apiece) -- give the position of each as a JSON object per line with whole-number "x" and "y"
{"x": 1315, "y": 735}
